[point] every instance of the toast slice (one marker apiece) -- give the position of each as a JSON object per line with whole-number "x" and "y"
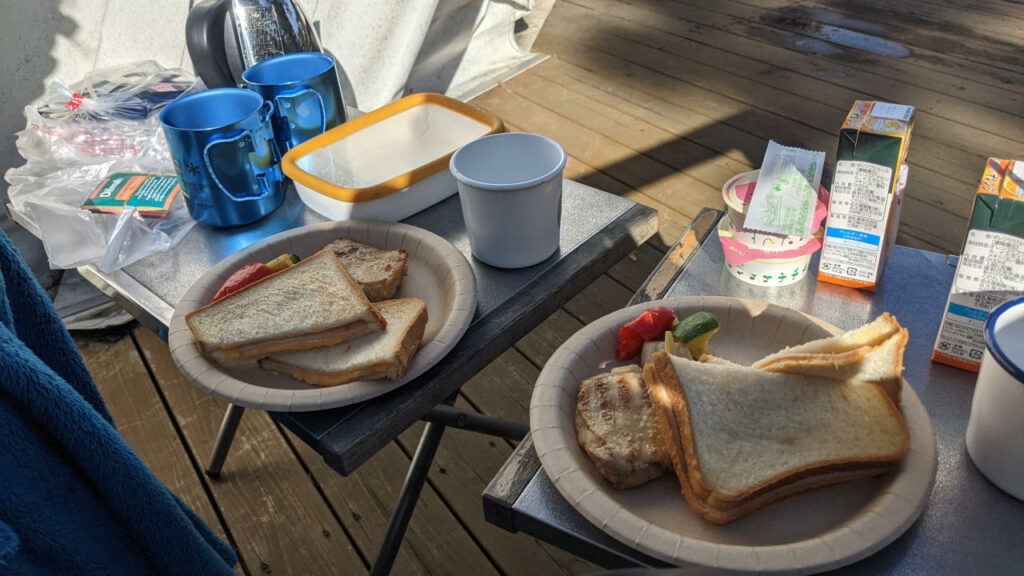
{"x": 667, "y": 433}
{"x": 615, "y": 426}
{"x": 378, "y": 272}
{"x": 744, "y": 432}
{"x": 871, "y": 353}
{"x": 382, "y": 355}
{"x": 837, "y": 351}
{"x": 312, "y": 304}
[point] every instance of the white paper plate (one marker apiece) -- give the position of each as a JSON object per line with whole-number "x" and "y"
{"x": 819, "y": 530}
{"x": 438, "y": 274}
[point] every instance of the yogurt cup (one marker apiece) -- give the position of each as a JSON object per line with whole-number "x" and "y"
{"x": 761, "y": 267}
{"x": 737, "y": 192}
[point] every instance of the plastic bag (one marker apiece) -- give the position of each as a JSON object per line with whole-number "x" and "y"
{"x": 74, "y": 138}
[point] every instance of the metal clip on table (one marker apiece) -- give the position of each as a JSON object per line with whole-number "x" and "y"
{"x": 968, "y": 527}
{"x": 597, "y": 230}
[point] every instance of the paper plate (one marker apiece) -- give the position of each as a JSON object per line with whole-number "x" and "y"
{"x": 438, "y": 274}
{"x": 818, "y": 530}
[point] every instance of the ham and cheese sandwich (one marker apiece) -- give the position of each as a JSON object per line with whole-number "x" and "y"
{"x": 382, "y": 355}
{"x": 313, "y": 304}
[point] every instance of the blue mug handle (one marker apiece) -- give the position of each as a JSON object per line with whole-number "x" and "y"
{"x": 239, "y": 147}
{"x": 289, "y": 102}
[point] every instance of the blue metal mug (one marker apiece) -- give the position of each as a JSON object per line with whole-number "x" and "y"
{"x": 223, "y": 148}
{"x": 306, "y": 94}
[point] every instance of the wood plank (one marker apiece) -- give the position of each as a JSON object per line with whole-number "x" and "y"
{"x": 702, "y": 163}
{"x": 542, "y": 341}
{"x": 606, "y": 85}
{"x": 907, "y": 24}
{"x": 143, "y": 421}
{"x": 634, "y": 269}
{"x": 670, "y": 223}
{"x": 748, "y": 83}
{"x": 944, "y": 225}
{"x": 951, "y": 120}
{"x": 505, "y": 392}
{"x": 923, "y": 184}
{"x": 987, "y": 23}
{"x": 601, "y": 297}
{"x": 588, "y": 150}
{"x": 1011, "y": 9}
{"x": 466, "y": 462}
{"x": 955, "y": 123}
{"x": 659, "y": 181}
{"x": 831, "y": 60}
{"x": 435, "y": 542}
{"x": 263, "y": 492}
{"x": 937, "y": 62}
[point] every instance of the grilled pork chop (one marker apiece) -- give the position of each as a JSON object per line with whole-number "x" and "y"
{"x": 615, "y": 427}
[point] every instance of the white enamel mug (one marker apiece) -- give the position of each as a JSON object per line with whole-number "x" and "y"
{"x": 995, "y": 431}
{"x": 510, "y": 187}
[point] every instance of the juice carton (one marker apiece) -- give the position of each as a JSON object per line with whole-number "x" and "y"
{"x": 991, "y": 267}
{"x": 866, "y": 193}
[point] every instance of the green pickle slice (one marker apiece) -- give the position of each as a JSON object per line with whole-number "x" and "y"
{"x": 695, "y": 331}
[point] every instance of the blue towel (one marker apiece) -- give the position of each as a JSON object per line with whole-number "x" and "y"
{"x": 74, "y": 497}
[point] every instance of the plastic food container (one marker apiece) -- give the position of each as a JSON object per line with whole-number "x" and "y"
{"x": 387, "y": 164}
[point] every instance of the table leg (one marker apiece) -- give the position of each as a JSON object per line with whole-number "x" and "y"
{"x": 227, "y": 433}
{"x": 411, "y": 488}
{"x": 480, "y": 423}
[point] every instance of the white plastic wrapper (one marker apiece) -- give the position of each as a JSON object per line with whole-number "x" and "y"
{"x": 78, "y": 135}
{"x": 786, "y": 193}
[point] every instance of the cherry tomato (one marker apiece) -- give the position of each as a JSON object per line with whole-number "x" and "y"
{"x": 245, "y": 275}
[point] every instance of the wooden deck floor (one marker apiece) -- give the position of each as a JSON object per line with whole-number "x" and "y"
{"x": 660, "y": 101}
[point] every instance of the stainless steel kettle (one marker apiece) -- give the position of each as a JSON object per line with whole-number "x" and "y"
{"x": 224, "y": 37}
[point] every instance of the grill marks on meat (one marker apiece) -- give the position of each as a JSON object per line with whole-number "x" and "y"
{"x": 615, "y": 426}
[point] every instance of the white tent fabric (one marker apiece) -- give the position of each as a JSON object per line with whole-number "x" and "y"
{"x": 390, "y": 48}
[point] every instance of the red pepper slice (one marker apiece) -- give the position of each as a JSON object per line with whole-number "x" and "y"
{"x": 630, "y": 344}
{"x": 245, "y": 275}
{"x": 650, "y": 325}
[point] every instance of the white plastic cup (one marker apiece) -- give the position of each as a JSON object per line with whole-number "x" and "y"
{"x": 510, "y": 187}
{"x": 995, "y": 430}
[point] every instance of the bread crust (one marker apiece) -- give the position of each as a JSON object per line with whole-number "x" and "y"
{"x": 726, "y": 515}
{"x": 822, "y": 365}
{"x": 668, "y": 380}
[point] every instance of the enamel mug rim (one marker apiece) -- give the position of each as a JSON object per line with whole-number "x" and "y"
{"x": 462, "y": 177}
{"x": 993, "y": 345}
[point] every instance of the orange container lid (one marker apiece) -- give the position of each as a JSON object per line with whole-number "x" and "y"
{"x": 389, "y": 149}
